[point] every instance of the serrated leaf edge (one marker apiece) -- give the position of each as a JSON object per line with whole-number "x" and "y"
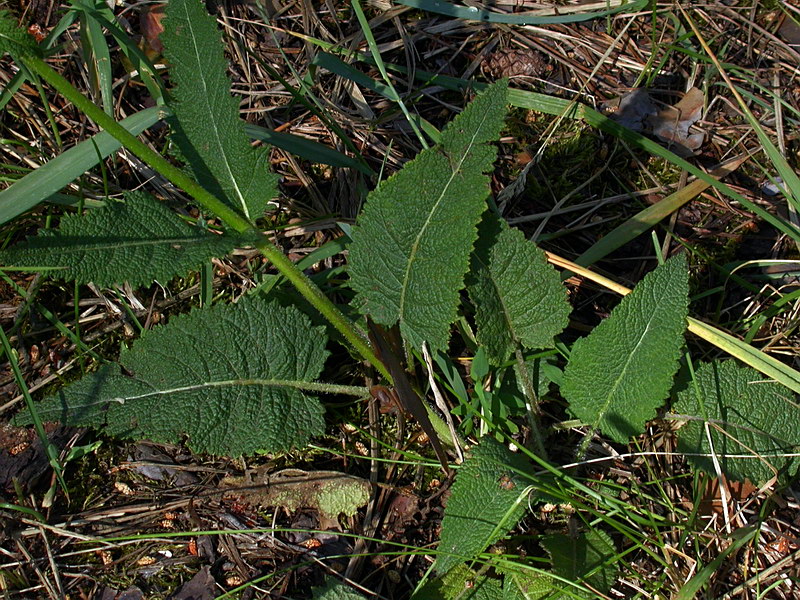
{"x": 434, "y": 208}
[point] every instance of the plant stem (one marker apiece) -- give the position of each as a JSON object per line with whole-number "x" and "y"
{"x": 532, "y": 406}
{"x": 211, "y": 203}
{"x": 137, "y": 147}
{"x": 49, "y": 447}
{"x": 329, "y": 310}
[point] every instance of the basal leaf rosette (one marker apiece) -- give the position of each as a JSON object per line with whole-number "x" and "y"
{"x": 229, "y": 379}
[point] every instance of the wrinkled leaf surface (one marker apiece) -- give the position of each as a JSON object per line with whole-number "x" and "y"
{"x": 747, "y": 416}
{"x": 622, "y": 372}
{"x": 519, "y": 300}
{"x": 335, "y": 590}
{"x": 226, "y": 377}
{"x": 136, "y": 241}
{"x": 412, "y": 242}
{"x": 461, "y": 583}
{"x": 209, "y": 132}
{"x": 487, "y": 500}
{"x": 586, "y": 558}
{"x": 14, "y": 40}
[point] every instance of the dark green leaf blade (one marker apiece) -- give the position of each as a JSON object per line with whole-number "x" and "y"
{"x": 335, "y": 590}
{"x": 227, "y": 377}
{"x": 748, "y": 417}
{"x": 526, "y": 585}
{"x": 488, "y": 499}
{"x": 210, "y": 134}
{"x": 412, "y": 243}
{"x": 138, "y": 241}
{"x": 14, "y": 40}
{"x": 622, "y": 372}
{"x": 518, "y": 296}
{"x": 461, "y": 583}
{"x": 584, "y": 557}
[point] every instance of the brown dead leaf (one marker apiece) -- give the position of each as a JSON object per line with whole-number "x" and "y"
{"x": 736, "y": 491}
{"x": 636, "y": 110}
{"x": 150, "y": 24}
{"x": 672, "y": 124}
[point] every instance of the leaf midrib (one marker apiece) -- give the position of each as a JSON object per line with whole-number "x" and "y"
{"x": 117, "y": 244}
{"x": 215, "y": 130}
{"x": 612, "y": 393}
{"x": 198, "y": 387}
{"x": 415, "y": 246}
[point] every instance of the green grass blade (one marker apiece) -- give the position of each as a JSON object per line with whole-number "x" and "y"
{"x": 305, "y": 148}
{"x": 692, "y": 587}
{"x": 576, "y": 110}
{"x": 790, "y": 178}
{"x": 472, "y": 13}
{"x": 376, "y": 56}
{"x": 48, "y": 179}
{"x": 50, "y": 449}
{"x": 24, "y": 509}
{"x": 342, "y": 69}
{"x": 105, "y": 17}
{"x": 305, "y": 97}
{"x": 784, "y": 303}
{"x": 54, "y": 320}
{"x": 649, "y": 217}
{"x": 97, "y": 57}
{"x": 760, "y": 361}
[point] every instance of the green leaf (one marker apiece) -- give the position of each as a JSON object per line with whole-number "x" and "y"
{"x": 584, "y": 557}
{"x": 488, "y": 499}
{"x": 138, "y": 241}
{"x": 305, "y": 148}
{"x": 14, "y": 40}
{"x": 518, "y": 296}
{"x": 412, "y": 243}
{"x": 622, "y": 372}
{"x": 209, "y": 133}
{"x": 229, "y": 377}
{"x": 335, "y": 590}
{"x": 747, "y": 416}
{"x": 461, "y": 583}
{"x": 527, "y": 585}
